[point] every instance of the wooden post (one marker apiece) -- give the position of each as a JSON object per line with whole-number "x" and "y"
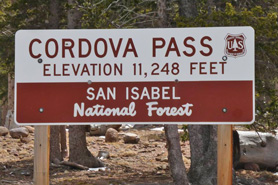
{"x": 225, "y": 155}
{"x": 41, "y": 155}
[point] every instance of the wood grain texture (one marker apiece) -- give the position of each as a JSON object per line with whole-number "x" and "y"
{"x": 260, "y": 149}
{"x": 225, "y": 155}
{"x": 41, "y": 155}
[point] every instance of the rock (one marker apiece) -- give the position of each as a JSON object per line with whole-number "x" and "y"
{"x": 56, "y": 161}
{"x": 103, "y": 155}
{"x": 141, "y": 127}
{"x": 120, "y": 171}
{"x": 9, "y": 120}
{"x": 164, "y": 167}
{"x": 25, "y": 140}
{"x": 101, "y": 170}
{"x": 131, "y": 138}
{"x": 111, "y": 135}
{"x": 160, "y": 172}
{"x": 116, "y": 127}
{"x": 14, "y": 152}
{"x": 161, "y": 159}
{"x": 24, "y": 153}
{"x": 3, "y": 131}
{"x": 18, "y": 133}
{"x": 129, "y": 153}
{"x": 186, "y": 160}
{"x": 126, "y": 126}
{"x": 252, "y": 166}
{"x": 97, "y": 130}
{"x": 100, "y": 130}
{"x": 158, "y": 159}
{"x": 30, "y": 129}
{"x": 243, "y": 172}
{"x": 25, "y": 173}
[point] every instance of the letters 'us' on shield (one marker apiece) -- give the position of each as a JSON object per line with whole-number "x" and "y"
{"x": 156, "y": 76}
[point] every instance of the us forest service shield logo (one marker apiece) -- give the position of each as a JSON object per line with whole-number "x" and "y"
{"x": 235, "y": 45}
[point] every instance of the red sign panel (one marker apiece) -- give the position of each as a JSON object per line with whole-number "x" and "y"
{"x": 135, "y": 102}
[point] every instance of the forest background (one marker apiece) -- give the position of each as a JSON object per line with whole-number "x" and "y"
{"x": 117, "y": 14}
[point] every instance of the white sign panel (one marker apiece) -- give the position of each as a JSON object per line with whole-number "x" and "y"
{"x": 135, "y": 55}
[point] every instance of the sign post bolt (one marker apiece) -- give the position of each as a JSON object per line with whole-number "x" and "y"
{"x": 225, "y": 110}
{"x": 39, "y": 60}
{"x": 41, "y": 110}
{"x": 224, "y": 58}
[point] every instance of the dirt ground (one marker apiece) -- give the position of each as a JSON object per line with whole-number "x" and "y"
{"x": 144, "y": 163}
